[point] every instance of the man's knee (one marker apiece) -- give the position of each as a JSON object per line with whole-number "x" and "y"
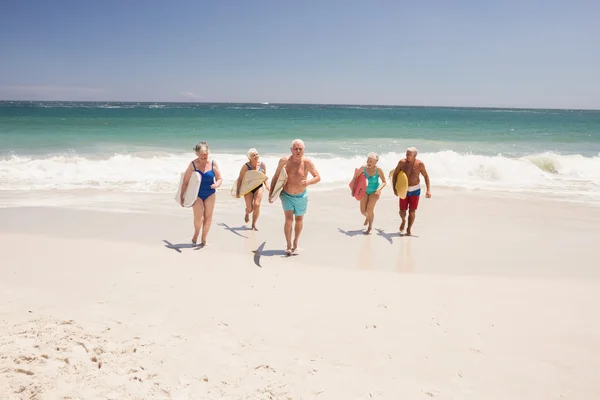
{"x": 299, "y": 218}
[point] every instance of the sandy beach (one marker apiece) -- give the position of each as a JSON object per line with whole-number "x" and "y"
{"x": 492, "y": 298}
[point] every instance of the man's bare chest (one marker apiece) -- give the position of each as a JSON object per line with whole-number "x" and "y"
{"x": 411, "y": 169}
{"x": 297, "y": 171}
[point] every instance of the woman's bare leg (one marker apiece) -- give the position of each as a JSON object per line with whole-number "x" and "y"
{"x": 373, "y": 197}
{"x": 209, "y": 207}
{"x": 256, "y": 207}
{"x": 248, "y": 200}
{"x": 198, "y": 209}
{"x": 363, "y": 208}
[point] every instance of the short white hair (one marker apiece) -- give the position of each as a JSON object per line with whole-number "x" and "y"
{"x": 251, "y": 152}
{"x": 373, "y": 156}
{"x": 298, "y": 141}
{"x": 412, "y": 150}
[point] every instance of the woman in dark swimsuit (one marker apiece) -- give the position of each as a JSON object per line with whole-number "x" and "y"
{"x": 254, "y": 197}
{"x": 205, "y": 203}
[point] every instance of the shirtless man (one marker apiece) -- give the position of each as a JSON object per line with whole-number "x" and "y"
{"x": 294, "y": 196}
{"x": 412, "y": 168}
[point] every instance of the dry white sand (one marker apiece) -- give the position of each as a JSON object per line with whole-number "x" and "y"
{"x": 494, "y": 298}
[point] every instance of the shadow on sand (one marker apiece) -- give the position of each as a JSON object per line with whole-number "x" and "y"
{"x": 389, "y": 236}
{"x": 177, "y": 247}
{"x": 235, "y": 230}
{"x": 352, "y": 233}
{"x": 260, "y": 251}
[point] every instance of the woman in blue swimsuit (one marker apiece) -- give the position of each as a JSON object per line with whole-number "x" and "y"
{"x": 253, "y": 198}
{"x": 205, "y": 203}
{"x": 373, "y": 191}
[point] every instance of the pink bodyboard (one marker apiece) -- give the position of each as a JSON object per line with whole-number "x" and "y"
{"x": 360, "y": 186}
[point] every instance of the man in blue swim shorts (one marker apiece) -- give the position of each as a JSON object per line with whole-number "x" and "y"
{"x": 296, "y": 203}
{"x": 294, "y": 196}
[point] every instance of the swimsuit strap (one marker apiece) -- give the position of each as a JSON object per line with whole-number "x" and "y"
{"x": 248, "y": 165}
{"x": 367, "y": 175}
{"x": 194, "y": 166}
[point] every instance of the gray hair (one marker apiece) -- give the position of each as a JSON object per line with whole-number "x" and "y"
{"x": 201, "y": 147}
{"x": 251, "y": 152}
{"x": 373, "y": 156}
{"x": 412, "y": 150}
{"x": 298, "y": 141}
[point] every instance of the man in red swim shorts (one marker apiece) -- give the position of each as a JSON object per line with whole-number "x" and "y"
{"x": 413, "y": 168}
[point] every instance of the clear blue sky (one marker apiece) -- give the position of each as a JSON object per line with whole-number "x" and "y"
{"x": 459, "y": 53}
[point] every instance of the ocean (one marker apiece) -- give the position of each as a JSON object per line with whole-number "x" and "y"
{"x": 52, "y": 152}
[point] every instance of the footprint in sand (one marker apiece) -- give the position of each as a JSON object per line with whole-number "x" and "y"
{"x": 51, "y": 352}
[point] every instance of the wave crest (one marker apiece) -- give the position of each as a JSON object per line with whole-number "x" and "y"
{"x": 159, "y": 172}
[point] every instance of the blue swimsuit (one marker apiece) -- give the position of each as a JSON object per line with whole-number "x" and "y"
{"x": 208, "y": 178}
{"x": 373, "y": 182}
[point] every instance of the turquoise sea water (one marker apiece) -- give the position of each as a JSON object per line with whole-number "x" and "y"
{"x": 142, "y": 147}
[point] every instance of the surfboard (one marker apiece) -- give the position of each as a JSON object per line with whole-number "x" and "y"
{"x": 250, "y": 181}
{"x": 359, "y": 187}
{"x": 401, "y": 184}
{"x": 191, "y": 192}
{"x": 278, "y": 186}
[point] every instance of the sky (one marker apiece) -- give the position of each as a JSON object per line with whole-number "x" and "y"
{"x": 540, "y": 54}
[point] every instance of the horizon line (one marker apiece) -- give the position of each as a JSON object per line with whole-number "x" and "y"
{"x": 306, "y": 104}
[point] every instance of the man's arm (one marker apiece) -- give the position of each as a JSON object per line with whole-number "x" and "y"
{"x": 313, "y": 171}
{"x": 395, "y": 176}
{"x": 426, "y": 176}
{"x": 282, "y": 161}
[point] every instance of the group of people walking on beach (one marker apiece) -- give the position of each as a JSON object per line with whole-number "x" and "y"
{"x": 294, "y": 195}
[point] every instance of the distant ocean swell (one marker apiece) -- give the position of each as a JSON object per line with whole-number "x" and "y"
{"x": 575, "y": 176}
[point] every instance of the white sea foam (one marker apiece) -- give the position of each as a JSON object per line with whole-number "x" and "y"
{"x": 572, "y": 176}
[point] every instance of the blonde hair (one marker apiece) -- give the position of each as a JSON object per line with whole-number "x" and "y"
{"x": 251, "y": 152}
{"x": 202, "y": 147}
{"x": 412, "y": 150}
{"x": 373, "y": 156}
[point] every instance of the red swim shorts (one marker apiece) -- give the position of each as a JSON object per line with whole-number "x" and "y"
{"x": 411, "y": 201}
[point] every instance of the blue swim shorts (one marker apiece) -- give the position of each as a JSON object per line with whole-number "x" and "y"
{"x": 294, "y": 202}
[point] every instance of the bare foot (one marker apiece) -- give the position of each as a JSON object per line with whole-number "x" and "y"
{"x": 202, "y": 244}
{"x": 402, "y": 226}
{"x": 288, "y": 252}
{"x": 246, "y": 218}
{"x": 368, "y": 231}
{"x": 254, "y": 228}
{"x": 294, "y": 250}
{"x": 195, "y": 238}
{"x": 408, "y": 232}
